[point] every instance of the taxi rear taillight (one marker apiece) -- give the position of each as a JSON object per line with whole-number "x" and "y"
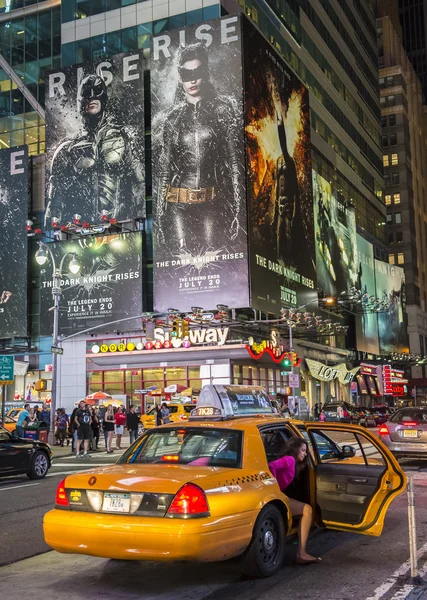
{"x": 61, "y": 498}
{"x": 190, "y": 501}
{"x": 383, "y": 430}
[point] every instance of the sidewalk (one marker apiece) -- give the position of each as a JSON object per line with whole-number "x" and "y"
{"x": 59, "y": 451}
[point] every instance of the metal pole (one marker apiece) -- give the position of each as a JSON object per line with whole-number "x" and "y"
{"x": 56, "y": 294}
{"x": 291, "y": 348}
{"x": 412, "y": 532}
{"x": 3, "y": 403}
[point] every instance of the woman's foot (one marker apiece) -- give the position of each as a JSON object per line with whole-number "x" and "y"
{"x": 307, "y": 559}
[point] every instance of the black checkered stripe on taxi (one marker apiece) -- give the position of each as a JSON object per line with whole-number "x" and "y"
{"x": 248, "y": 479}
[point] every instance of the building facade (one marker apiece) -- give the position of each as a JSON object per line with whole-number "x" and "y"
{"x": 413, "y": 20}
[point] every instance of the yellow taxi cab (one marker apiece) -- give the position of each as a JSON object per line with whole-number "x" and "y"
{"x": 201, "y": 490}
{"x": 10, "y": 424}
{"x": 177, "y": 412}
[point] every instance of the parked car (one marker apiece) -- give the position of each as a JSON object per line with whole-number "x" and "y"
{"x": 23, "y": 456}
{"x": 367, "y": 416}
{"x": 350, "y": 412}
{"x": 405, "y": 434}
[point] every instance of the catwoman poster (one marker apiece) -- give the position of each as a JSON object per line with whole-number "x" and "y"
{"x": 199, "y": 198}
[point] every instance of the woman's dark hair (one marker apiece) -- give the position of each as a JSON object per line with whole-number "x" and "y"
{"x": 195, "y": 52}
{"x": 291, "y": 448}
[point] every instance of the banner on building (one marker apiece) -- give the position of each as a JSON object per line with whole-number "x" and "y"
{"x": 108, "y": 286}
{"x": 367, "y": 320}
{"x": 13, "y": 247}
{"x": 335, "y": 239}
{"x": 279, "y": 179}
{"x": 199, "y": 201}
{"x": 95, "y": 165}
{"x": 390, "y": 290}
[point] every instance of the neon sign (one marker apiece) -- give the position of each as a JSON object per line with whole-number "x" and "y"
{"x": 277, "y": 353}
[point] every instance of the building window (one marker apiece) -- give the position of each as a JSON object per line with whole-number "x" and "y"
{"x": 390, "y": 239}
{"x": 400, "y": 258}
{"x": 395, "y": 179}
{"x": 393, "y": 139}
{"x": 398, "y": 218}
{"x": 391, "y": 259}
{"x": 391, "y": 100}
{"x": 399, "y": 237}
{"x": 386, "y": 161}
{"x": 396, "y": 198}
{"x": 387, "y": 179}
{"x": 387, "y": 199}
{"x": 383, "y": 121}
{"x": 385, "y": 141}
{"x": 392, "y": 120}
{"x": 394, "y": 159}
{"x": 389, "y": 218}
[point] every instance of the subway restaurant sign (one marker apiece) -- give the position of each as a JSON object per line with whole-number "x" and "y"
{"x": 163, "y": 339}
{"x": 325, "y": 373}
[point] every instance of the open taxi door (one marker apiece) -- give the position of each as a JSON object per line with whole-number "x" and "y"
{"x": 356, "y": 476}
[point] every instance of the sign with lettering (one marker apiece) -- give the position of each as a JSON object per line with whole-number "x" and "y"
{"x": 327, "y": 373}
{"x": 274, "y": 349}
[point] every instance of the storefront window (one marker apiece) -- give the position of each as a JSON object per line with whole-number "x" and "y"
{"x": 114, "y": 388}
{"x": 153, "y": 375}
{"x": 193, "y": 372}
{"x": 95, "y": 377}
{"x": 133, "y": 375}
{"x": 263, "y": 377}
{"x": 114, "y": 377}
{"x": 195, "y": 384}
{"x": 176, "y": 373}
{"x": 247, "y": 375}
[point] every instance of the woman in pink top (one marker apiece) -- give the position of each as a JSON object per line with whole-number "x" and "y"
{"x": 284, "y": 470}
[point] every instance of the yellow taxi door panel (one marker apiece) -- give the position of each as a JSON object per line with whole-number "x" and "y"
{"x": 356, "y": 477}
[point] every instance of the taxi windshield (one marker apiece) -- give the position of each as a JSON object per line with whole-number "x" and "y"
{"x": 190, "y": 446}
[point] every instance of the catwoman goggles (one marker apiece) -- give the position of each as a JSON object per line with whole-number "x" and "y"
{"x": 192, "y": 74}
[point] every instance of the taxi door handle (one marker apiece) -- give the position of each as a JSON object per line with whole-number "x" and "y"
{"x": 358, "y": 480}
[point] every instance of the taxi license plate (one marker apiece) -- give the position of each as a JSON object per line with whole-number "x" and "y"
{"x": 410, "y": 433}
{"x": 116, "y": 502}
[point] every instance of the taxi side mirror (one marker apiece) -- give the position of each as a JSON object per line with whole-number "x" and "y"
{"x": 347, "y": 452}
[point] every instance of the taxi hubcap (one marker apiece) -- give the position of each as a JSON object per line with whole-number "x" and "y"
{"x": 268, "y": 541}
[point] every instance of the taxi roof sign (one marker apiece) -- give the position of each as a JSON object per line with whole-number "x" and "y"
{"x": 228, "y": 401}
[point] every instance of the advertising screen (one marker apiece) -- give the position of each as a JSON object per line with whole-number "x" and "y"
{"x": 366, "y": 321}
{"x": 13, "y": 247}
{"x": 108, "y": 286}
{"x": 279, "y": 180}
{"x": 199, "y": 202}
{"x": 390, "y": 289}
{"x": 95, "y": 163}
{"x": 335, "y": 239}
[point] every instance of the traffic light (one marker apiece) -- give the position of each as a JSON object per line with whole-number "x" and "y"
{"x": 175, "y": 328}
{"x": 287, "y": 361}
{"x": 185, "y": 328}
{"x": 40, "y": 385}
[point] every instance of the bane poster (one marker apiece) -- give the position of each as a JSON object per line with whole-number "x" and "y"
{"x": 95, "y": 141}
{"x": 107, "y": 287}
{"x": 13, "y": 247}
{"x": 367, "y": 320}
{"x": 335, "y": 239}
{"x": 199, "y": 203}
{"x": 278, "y": 156}
{"x": 390, "y": 287}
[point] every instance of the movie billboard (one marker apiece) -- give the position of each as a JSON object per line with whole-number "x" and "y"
{"x": 335, "y": 239}
{"x": 279, "y": 180}
{"x": 390, "y": 290}
{"x": 95, "y": 165}
{"x": 199, "y": 201}
{"x": 367, "y": 319}
{"x": 107, "y": 287}
{"x": 13, "y": 247}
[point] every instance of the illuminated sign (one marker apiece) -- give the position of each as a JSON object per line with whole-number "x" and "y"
{"x": 275, "y": 350}
{"x": 326, "y": 373}
{"x": 368, "y": 369}
{"x": 165, "y": 340}
{"x": 398, "y": 389}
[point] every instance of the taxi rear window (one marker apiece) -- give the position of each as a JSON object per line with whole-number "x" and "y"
{"x": 190, "y": 446}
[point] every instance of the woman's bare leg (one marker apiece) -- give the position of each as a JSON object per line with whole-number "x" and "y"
{"x": 306, "y": 513}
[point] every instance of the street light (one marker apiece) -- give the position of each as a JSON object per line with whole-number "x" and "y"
{"x": 41, "y": 257}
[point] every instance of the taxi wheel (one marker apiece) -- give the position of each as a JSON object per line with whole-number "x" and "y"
{"x": 266, "y": 552}
{"x": 39, "y": 466}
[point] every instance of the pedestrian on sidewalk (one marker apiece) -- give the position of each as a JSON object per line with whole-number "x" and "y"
{"x": 73, "y": 430}
{"x": 132, "y": 422}
{"x": 158, "y": 411}
{"x": 22, "y": 420}
{"x": 109, "y": 427}
{"x": 61, "y": 427}
{"x": 165, "y": 413}
{"x": 45, "y": 414}
{"x": 120, "y": 420}
{"x": 83, "y": 422}
{"x": 95, "y": 428}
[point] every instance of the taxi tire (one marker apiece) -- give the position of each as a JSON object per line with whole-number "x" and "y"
{"x": 265, "y": 554}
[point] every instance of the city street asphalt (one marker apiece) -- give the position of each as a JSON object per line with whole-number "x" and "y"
{"x": 354, "y": 567}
